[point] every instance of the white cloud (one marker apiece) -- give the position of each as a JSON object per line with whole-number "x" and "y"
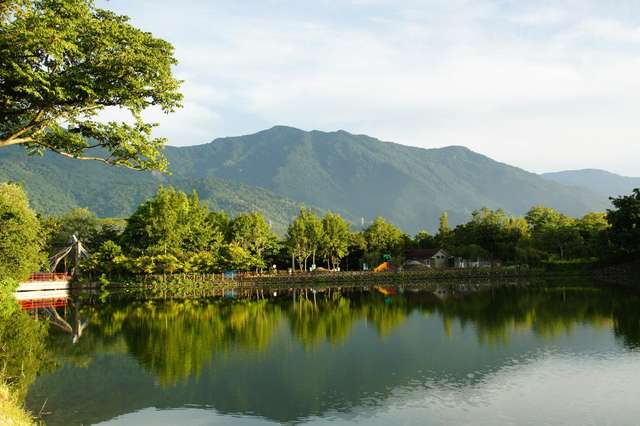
{"x": 541, "y": 85}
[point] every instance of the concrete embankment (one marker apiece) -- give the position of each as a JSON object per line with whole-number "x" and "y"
{"x": 418, "y": 279}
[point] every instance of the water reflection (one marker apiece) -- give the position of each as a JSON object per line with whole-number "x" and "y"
{"x": 309, "y": 355}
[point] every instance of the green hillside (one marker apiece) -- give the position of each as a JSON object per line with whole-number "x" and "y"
{"x": 56, "y": 184}
{"x": 357, "y": 176}
{"x": 600, "y": 181}
{"x": 368, "y": 177}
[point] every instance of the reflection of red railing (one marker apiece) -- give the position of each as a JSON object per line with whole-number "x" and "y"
{"x": 49, "y": 276}
{"x": 44, "y": 303}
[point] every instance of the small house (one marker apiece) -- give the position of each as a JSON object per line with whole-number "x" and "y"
{"x": 430, "y": 258}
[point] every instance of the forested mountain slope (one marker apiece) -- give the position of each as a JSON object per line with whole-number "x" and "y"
{"x": 367, "y": 177}
{"x": 56, "y": 184}
{"x": 355, "y": 175}
{"x": 600, "y": 181}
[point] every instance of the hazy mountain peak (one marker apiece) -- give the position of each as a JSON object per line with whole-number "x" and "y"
{"x": 600, "y": 181}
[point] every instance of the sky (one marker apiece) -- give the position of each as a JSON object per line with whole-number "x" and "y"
{"x": 542, "y": 85}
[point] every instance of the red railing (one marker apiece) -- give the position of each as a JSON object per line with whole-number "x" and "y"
{"x": 45, "y": 303}
{"x": 48, "y": 276}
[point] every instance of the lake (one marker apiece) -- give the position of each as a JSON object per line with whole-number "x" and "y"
{"x": 559, "y": 353}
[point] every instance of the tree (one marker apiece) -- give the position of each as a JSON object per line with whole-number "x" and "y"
{"x": 383, "y": 238}
{"x": 594, "y": 227}
{"x": 236, "y": 257}
{"x": 539, "y": 217}
{"x": 297, "y": 243}
{"x": 62, "y": 63}
{"x": 443, "y": 228}
{"x": 357, "y": 247}
{"x": 335, "y": 241}
{"x": 554, "y": 232}
{"x": 443, "y": 238}
{"x": 20, "y": 235}
{"x": 625, "y": 222}
{"x": 304, "y": 237}
{"x": 252, "y": 232}
{"x": 314, "y": 231}
{"x": 494, "y": 231}
{"x": 171, "y": 224}
{"x": 80, "y": 222}
{"x": 424, "y": 240}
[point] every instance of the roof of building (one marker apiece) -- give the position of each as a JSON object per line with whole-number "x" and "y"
{"x": 422, "y": 253}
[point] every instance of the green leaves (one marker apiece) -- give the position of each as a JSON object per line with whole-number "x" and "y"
{"x": 252, "y": 233}
{"x": 625, "y": 222}
{"x": 383, "y": 237}
{"x": 20, "y": 235}
{"x": 62, "y": 62}
{"x": 304, "y": 236}
{"x": 335, "y": 241}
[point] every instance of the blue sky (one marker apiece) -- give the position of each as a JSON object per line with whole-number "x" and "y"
{"x": 543, "y": 85}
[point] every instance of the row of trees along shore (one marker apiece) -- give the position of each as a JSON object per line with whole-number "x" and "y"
{"x": 174, "y": 233}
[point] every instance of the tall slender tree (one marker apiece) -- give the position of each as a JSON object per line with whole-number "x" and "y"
{"x": 335, "y": 241}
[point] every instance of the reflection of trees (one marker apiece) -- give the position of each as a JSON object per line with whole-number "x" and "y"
{"x": 22, "y": 348}
{"x": 330, "y": 318}
{"x": 547, "y": 312}
{"x": 177, "y": 339}
{"x": 626, "y": 320}
{"x": 314, "y": 322}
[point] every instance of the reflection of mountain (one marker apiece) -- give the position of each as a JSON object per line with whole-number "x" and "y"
{"x": 286, "y": 361}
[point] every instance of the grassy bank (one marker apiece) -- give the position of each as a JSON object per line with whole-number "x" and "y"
{"x": 11, "y": 411}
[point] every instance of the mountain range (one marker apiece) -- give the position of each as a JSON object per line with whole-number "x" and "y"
{"x": 277, "y": 170}
{"x": 600, "y": 181}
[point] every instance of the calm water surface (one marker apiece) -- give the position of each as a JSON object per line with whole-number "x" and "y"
{"x": 536, "y": 355}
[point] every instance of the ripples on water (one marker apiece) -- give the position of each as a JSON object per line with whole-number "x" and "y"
{"x": 504, "y": 356}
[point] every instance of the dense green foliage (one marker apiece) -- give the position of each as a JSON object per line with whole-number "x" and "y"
{"x": 543, "y": 234}
{"x": 383, "y": 239}
{"x": 335, "y": 240}
{"x": 625, "y": 222}
{"x": 66, "y": 61}
{"x": 21, "y": 343}
{"x": 22, "y": 351}
{"x": 21, "y": 338}
{"x": 252, "y": 233}
{"x": 304, "y": 238}
{"x": 356, "y": 176}
{"x": 20, "y": 235}
{"x": 174, "y": 233}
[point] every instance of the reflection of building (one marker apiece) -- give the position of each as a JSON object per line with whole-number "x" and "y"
{"x": 430, "y": 258}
